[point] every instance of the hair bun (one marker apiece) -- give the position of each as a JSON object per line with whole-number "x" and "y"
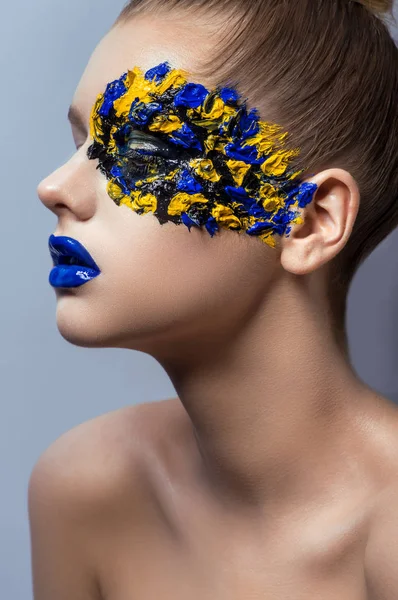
{"x": 378, "y": 6}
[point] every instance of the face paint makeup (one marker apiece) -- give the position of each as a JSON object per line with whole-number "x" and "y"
{"x": 195, "y": 156}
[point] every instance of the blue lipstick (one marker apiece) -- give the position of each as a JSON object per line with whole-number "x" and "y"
{"x": 73, "y": 264}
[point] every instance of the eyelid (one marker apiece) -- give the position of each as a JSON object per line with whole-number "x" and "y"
{"x": 78, "y": 146}
{"x": 78, "y": 135}
{"x": 139, "y": 140}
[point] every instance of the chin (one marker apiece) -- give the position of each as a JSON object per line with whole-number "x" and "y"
{"x": 78, "y": 324}
{"x": 89, "y": 325}
{"x": 79, "y": 335}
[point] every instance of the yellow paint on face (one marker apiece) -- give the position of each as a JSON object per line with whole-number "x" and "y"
{"x": 143, "y": 202}
{"x": 265, "y": 140}
{"x": 114, "y": 190}
{"x": 211, "y": 119}
{"x": 182, "y": 202}
{"x": 205, "y": 168}
{"x": 205, "y": 145}
{"x": 137, "y": 88}
{"x": 96, "y": 128}
{"x": 165, "y": 123}
{"x": 238, "y": 169}
{"x": 214, "y": 142}
{"x": 224, "y": 215}
{"x": 277, "y": 164}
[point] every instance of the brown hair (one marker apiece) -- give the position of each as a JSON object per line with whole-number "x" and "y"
{"x": 327, "y": 71}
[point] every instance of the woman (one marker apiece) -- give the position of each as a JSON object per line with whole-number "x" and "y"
{"x": 236, "y": 161}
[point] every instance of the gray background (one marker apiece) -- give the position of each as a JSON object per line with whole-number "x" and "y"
{"x": 44, "y": 47}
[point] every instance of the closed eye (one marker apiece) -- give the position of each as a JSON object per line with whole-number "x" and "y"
{"x": 147, "y": 144}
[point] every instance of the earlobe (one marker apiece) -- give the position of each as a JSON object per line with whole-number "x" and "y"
{"x": 327, "y": 224}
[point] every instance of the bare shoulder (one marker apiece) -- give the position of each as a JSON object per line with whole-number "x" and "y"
{"x": 97, "y": 463}
{"x": 82, "y": 486}
{"x": 380, "y": 422}
{"x": 381, "y": 554}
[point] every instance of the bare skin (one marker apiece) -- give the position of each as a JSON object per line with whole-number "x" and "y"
{"x": 271, "y": 474}
{"x": 198, "y": 546}
{"x": 160, "y": 530}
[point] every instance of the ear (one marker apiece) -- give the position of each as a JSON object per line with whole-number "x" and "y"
{"x": 327, "y": 223}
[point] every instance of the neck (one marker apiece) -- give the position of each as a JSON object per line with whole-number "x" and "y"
{"x": 269, "y": 404}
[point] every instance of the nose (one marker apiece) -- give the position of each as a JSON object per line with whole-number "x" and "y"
{"x": 70, "y": 189}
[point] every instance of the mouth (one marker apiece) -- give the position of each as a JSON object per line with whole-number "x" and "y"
{"x": 73, "y": 264}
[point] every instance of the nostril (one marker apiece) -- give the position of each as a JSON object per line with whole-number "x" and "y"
{"x": 52, "y": 196}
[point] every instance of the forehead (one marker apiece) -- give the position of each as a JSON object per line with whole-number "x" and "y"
{"x": 144, "y": 41}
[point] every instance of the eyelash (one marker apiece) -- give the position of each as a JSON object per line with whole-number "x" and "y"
{"x": 141, "y": 170}
{"x": 134, "y": 154}
{"x": 156, "y": 148}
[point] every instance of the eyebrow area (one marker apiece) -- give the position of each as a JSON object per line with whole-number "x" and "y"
{"x": 75, "y": 118}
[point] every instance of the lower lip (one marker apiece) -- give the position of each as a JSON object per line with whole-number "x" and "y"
{"x": 71, "y": 276}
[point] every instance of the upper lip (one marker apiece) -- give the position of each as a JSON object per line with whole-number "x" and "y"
{"x": 63, "y": 249}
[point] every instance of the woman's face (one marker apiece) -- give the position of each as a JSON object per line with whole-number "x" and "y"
{"x": 158, "y": 282}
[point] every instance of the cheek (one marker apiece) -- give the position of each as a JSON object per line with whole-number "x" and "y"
{"x": 154, "y": 275}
